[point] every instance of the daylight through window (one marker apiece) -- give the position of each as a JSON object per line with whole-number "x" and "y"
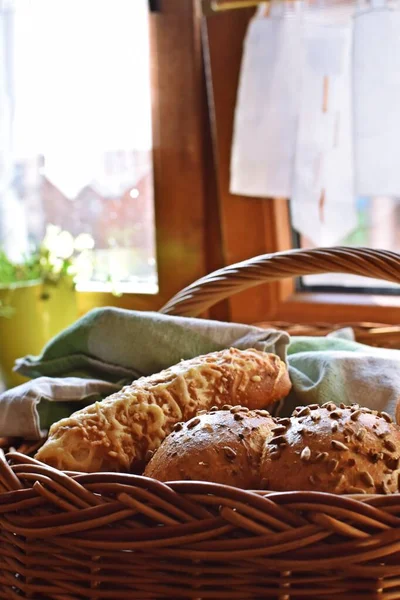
{"x": 76, "y": 135}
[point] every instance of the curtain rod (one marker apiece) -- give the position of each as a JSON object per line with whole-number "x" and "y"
{"x": 211, "y": 7}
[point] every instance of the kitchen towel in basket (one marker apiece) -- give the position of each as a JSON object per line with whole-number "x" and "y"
{"x": 120, "y": 345}
{"x": 107, "y": 349}
{"x": 110, "y": 347}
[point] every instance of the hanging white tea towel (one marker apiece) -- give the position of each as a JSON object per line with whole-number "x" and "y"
{"x": 268, "y": 104}
{"x": 376, "y": 85}
{"x": 323, "y": 202}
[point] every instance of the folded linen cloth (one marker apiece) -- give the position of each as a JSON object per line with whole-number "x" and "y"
{"x": 120, "y": 345}
{"x": 29, "y": 409}
{"x": 110, "y": 347}
{"x": 107, "y": 349}
{"x": 337, "y": 369}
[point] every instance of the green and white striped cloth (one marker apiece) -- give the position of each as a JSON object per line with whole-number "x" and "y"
{"x": 110, "y": 347}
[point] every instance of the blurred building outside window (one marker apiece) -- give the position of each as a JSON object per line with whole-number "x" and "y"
{"x": 76, "y": 137}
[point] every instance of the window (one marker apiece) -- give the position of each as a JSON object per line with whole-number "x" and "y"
{"x": 199, "y": 225}
{"x": 75, "y": 100}
{"x": 378, "y": 227}
{"x": 177, "y": 160}
{"x": 254, "y": 226}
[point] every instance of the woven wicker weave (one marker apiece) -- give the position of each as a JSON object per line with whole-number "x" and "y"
{"x": 70, "y": 536}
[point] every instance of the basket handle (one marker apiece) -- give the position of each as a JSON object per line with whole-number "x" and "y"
{"x": 197, "y": 297}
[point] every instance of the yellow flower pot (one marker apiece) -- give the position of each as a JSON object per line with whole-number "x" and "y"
{"x": 37, "y": 312}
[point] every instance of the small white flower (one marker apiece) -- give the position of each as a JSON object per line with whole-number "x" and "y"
{"x": 56, "y": 264}
{"x": 84, "y": 265}
{"x": 52, "y": 233}
{"x": 63, "y": 246}
{"x": 84, "y": 241}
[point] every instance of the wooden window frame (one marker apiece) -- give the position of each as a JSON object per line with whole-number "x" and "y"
{"x": 199, "y": 225}
{"x": 184, "y": 183}
{"x": 253, "y": 226}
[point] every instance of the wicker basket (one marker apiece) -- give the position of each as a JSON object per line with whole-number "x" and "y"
{"x": 69, "y": 536}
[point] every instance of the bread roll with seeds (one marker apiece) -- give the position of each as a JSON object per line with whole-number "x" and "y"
{"x": 223, "y": 447}
{"x": 116, "y": 434}
{"x": 342, "y": 450}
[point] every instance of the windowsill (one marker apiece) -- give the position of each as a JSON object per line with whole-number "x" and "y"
{"x": 117, "y": 289}
{"x": 303, "y": 307}
{"x": 341, "y": 298}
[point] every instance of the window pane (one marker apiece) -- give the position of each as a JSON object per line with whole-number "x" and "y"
{"x": 76, "y": 83}
{"x": 378, "y": 227}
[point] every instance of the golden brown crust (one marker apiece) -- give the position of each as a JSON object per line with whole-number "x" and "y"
{"x": 117, "y": 433}
{"x": 397, "y": 412}
{"x": 223, "y": 447}
{"x": 334, "y": 449}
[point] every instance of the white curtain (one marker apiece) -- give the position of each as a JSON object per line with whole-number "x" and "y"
{"x": 74, "y": 105}
{"x": 85, "y": 80}
{"x": 323, "y": 177}
{"x": 6, "y": 94}
{"x": 13, "y": 225}
{"x": 376, "y": 76}
{"x": 267, "y": 106}
{"x": 333, "y": 124}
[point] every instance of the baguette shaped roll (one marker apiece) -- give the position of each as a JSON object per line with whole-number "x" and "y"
{"x": 118, "y": 433}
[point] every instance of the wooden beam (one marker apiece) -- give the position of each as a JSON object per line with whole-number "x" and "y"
{"x": 250, "y": 226}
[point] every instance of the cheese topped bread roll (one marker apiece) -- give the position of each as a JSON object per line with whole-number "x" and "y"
{"x": 118, "y": 433}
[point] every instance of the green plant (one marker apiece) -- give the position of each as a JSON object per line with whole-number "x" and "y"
{"x": 57, "y": 256}
{"x": 26, "y": 270}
